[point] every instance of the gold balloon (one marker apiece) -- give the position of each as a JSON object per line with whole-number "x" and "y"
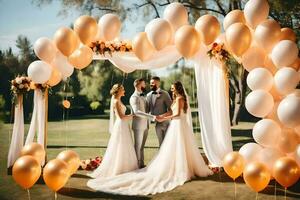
{"x": 208, "y": 27}
{"x": 34, "y": 149}
{"x": 82, "y": 57}
{"x": 256, "y": 176}
{"x": 26, "y": 171}
{"x": 187, "y": 41}
{"x": 55, "y": 77}
{"x": 66, "y": 40}
{"x": 288, "y": 34}
{"x": 71, "y": 158}
{"x": 286, "y": 171}
{"x": 86, "y": 28}
{"x": 142, "y": 46}
{"x": 267, "y": 34}
{"x": 66, "y": 104}
{"x": 233, "y": 164}
{"x": 238, "y": 37}
{"x": 56, "y": 174}
{"x": 232, "y": 17}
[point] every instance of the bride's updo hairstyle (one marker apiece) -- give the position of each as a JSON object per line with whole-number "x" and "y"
{"x": 115, "y": 89}
{"x": 180, "y": 91}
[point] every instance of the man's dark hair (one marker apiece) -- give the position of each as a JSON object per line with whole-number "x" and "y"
{"x": 138, "y": 81}
{"x": 156, "y": 78}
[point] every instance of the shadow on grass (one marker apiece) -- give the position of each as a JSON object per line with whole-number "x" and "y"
{"x": 86, "y": 194}
{"x": 80, "y": 176}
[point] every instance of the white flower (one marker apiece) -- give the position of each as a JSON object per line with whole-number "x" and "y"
{"x": 21, "y": 86}
{"x": 18, "y": 80}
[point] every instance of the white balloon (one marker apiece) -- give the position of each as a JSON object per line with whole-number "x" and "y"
{"x": 296, "y": 93}
{"x": 265, "y": 132}
{"x": 284, "y": 53}
{"x": 61, "y": 63}
{"x": 176, "y": 14}
{"x": 259, "y": 103}
{"x": 260, "y": 78}
{"x": 286, "y": 80}
{"x": 289, "y": 111}
{"x": 39, "y": 71}
{"x": 250, "y": 151}
{"x": 109, "y": 26}
{"x": 44, "y": 49}
{"x": 256, "y": 11}
{"x": 268, "y": 156}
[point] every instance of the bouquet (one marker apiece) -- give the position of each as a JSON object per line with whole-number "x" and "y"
{"x": 102, "y": 47}
{"x": 218, "y": 52}
{"x": 90, "y": 164}
{"x": 19, "y": 86}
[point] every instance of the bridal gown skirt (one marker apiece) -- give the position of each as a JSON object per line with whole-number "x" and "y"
{"x": 177, "y": 161}
{"x": 120, "y": 156}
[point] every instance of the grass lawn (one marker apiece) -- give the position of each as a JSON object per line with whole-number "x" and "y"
{"x": 89, "y": 138}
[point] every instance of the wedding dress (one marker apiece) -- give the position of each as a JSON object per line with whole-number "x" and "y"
{"x": 120, "y": 155}
{"x": 177, "y": 161}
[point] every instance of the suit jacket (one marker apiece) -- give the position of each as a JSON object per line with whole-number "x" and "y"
{"x": 138, "y": 102}
{"x": 162, "y": 103}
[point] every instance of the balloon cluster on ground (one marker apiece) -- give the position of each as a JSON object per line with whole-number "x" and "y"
{"x": 28, "y": 167}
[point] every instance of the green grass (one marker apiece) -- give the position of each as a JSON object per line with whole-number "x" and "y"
{"x": 89, "y": 138}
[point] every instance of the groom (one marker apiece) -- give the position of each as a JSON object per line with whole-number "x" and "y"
{"x": 140, "y": 124}
{"x": 159, "y": 102}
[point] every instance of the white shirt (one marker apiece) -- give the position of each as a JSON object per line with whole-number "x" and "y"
{"x": 154, "y": 96}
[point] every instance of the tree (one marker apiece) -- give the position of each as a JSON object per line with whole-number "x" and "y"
{"x": 26, "y": 55}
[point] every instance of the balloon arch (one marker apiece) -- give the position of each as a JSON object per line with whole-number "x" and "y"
{"x": 266, "y": 50}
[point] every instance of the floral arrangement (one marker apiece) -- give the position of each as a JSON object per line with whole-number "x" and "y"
{"x": 42, "y": 87}
{"x": 102, "y": 47}
{"x": 218, "y": 52}
{"x": 90, "y": 164}
{"x": 19, "y": 86}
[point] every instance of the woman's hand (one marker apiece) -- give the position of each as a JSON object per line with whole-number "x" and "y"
{"x": 159, "y": 118}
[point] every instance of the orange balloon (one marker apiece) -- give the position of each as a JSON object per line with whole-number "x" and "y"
{"x": 71, "y": 158}
{"x": 238, "y": 37}
{"x": 55, "y": 77}
{"x": 36, "y": 150}
{"x": 288, "y": 34}
{"x": 286, "y": 171}
{"x": 270, "y": 65}
{"x": 256, "y": 176}
{"x": 86, "y": 28}
{"x": 273, "y": 115}
{"x": 187, "y": 41}
{"x": 233, "y": 164}
{"x": 26, "y": 171}
{"x": 82, "y": 57}
{"x": 276, "y": 95}
{"x": 56, "y": 174}
{"x": 109, "y": 26}
{"x": 66, "y": 40}
{"x": 254, "y": 57}
{"x": 296, "y": 64}
{"x": 66, "y": 104}
{"x": 288, "y": 141}
{"x": 208, "y": 27}
{"x": 234, "y": 16}
{"x": 142, "y": 46}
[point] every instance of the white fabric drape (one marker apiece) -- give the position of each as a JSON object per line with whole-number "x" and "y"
{"x": 212, "y": 107}
{"x": 37, "y": 123}
{"x": 17, "y": 139}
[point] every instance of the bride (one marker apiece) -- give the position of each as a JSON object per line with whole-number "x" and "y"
{"x": 177, "y": 161}
{"x": 120, "y": 155}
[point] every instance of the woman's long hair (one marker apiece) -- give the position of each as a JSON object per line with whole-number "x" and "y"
{"x": 180, "y": 90}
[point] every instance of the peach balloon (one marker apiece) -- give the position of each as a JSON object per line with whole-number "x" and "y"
{"x": 275, "y": 94}
{"x": 66, "y": 104}
{"x": 71, "y": 158}
{"x": 288, "y": 34}
{"x": 82, "y": 57}
{"x": 66, "y": 40}
{"x": 260, "y": 78}
{"x": 286, "y": 171}
{"x": 187, "y": 41}
{"x": 256, "y": 11}
{"x": 159, "y": 33}
{"x": 56, "y": 174}
{"x": 233, "y": 164}
{"x": 176, "y": 14}
{"x": 36, "y": 150}
{"x": 209, "y": 28}
{"x": 55, "y": 77}
{"x": 267, "y": 34}
{"x": 268, "y": 156}
{"x": 256, "y": 176}
{"x": 234, "y": 16}
{"x": 284, "y": 53}
{"x": 253, "y": 57}
{"x": 266, "y": 132}
{"x": 286, "y": 80}
{"x": 26, "y": 171}
{"x": 86, "y": 28}
{"x": 287, "y": 141}
{"x": 142, "y": 47}
{"x": 110, "y": 26}
{"x": 273, "y": 114}
{"x": 259, "y": 103}
{"x": 44, "y": 49}
{"x": 250, "y": 151}
{"x": 296, "y": 64}
{"x": 289, "y": 111}
{"x": 268, "y": 63}
{"x": 238, "y": 37}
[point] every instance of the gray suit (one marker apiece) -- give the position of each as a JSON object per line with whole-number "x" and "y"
{"x": 140, "y": 125}
{"x": 160, "y": 106}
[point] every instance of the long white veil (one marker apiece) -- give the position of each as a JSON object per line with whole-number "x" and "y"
{"x": 188, "y": 111}
{"x": 111, "y": 115}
